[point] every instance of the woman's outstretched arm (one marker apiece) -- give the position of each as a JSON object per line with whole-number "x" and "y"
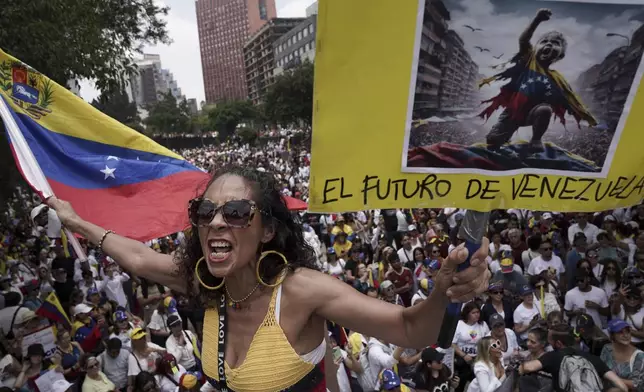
{"x": 414, "y": 327}
{"x": 132, "y": 255}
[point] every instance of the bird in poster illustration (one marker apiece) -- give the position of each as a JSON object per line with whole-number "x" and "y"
{"x": 499, "y": 56}
{"x": 474, "y": 29}
{"x": 482, "y": 49}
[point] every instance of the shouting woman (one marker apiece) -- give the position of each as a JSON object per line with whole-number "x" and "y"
{"x": 246, "y": 259}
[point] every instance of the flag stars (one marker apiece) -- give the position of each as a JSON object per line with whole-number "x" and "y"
{"x": 109, "y": 172}
{"x": 112, "y": 158}
{"x": 549, "y": 93}
{"x": 524, "y": 86}
{"x": 530, "y": 80}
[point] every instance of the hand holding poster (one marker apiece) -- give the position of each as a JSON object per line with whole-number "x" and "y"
{"x": 479, "y": 104}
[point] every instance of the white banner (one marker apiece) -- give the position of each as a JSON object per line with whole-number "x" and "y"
{"x": 45, "y": 337}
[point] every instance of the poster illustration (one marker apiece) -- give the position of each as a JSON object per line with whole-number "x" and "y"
{"x": 478, "y": 104}
{"x": 524, "y": 86}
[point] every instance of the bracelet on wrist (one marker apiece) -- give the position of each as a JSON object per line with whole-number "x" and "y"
{"x": 105, "y": 234}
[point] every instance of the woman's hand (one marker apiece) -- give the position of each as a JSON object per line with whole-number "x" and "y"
{"x": 455, "y": 381}
{"x": 68, "y": 217}
{"x": 468, "y": 358}
{"x": 464, "y": 285}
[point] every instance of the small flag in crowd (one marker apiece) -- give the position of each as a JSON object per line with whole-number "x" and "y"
{"x": 53, "y": 310}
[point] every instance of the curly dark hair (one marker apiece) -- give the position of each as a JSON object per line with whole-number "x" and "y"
{"x": 288, "y": 239}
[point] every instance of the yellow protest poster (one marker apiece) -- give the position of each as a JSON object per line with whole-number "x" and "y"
{"x": 478, "y": 104}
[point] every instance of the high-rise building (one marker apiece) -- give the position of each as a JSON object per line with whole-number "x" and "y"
{"x": 151, "y": 81}
{"x": 224, "y": 27}
{"x": 259, "y": 55}
{"x": 296, "y": 46}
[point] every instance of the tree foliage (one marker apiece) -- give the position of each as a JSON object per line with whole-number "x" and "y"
{"x": 290, "y": 99}
{"x": 169, "y": 116}
{"x": 73, "y": 39}
{"x": 226, "y": 116}
{"x": 118, "y": 106}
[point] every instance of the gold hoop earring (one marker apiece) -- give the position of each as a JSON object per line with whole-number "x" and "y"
{"x": 201, "y": 282}
{"x": 259, "y": 262}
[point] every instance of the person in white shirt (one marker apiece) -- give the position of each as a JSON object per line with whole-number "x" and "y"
{"x": 112, "y": 285}
{"x": 488, "y": 367}
{"x": 114, "y": 361}
{"x": 158, "y": 324}
{"x": 583, "y": 226}
{"x": 586, "y": 299}
{"x": 508, "y": 339}
{"x": 181, "y": 343}
{"x": 628, "y": 307}
{"x": 546, "y": 261}
{"x": 469, "y": 330}
{"x": 381, "y": 357}
{"x": 406, "y": 251}
{"x": 526, "y": 315}
{"x": 144, "y": 355}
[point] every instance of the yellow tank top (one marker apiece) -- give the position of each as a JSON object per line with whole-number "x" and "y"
{"x": 271, "y": 364}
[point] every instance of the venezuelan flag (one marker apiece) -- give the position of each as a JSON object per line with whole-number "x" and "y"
{"x": 53, "y": 310}
{"x": 112, "y": 175}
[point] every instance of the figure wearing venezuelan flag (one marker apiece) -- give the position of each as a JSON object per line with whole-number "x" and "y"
{"x": 535, "y": 92}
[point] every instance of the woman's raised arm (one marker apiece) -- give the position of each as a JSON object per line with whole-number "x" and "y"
{"x": 414, "y": 327}
{"x": 132, "y": 255}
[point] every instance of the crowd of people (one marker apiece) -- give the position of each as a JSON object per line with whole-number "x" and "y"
{"x": 563, "y": 310}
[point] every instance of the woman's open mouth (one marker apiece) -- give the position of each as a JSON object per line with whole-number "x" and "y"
{"x": 220, "y": 250}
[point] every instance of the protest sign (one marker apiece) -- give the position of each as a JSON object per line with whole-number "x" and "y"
{"x": 478, "y": 104}
{"x": 45, "y": 336}
{"x": 46, "y": 381}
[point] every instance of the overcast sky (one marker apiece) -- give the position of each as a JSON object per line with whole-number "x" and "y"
{"x": 584, "y": 25}
{"x": 182, "y": 56}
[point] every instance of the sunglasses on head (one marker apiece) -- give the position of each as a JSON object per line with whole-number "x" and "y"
{"x": 496, "y": 345}
{"x": 236, "y": 213}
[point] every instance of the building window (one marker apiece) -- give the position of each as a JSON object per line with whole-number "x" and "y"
{"x": 263, "y": 14}
{"x": 305, "y": 32}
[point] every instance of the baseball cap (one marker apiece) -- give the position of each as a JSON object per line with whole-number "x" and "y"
{"x": 330, "y": 250}
{"x": 188, "y": 380}
{"x": 81, "y": 309}
{"x": 610, "y": 218}
{"x": 617, "y": 325}
{"x": 546, "y": 215}
{"x": 430, "y": 354}
{"x": 578, "y": 236}
{"x": 120, "y": 315}
{"x": 426, "y": 284}
{"x": 170, "y": 303}
{"x": 386, "y": 284}
{"x": 174, "y": 320}
{"x": 137, "y": 333}
{"x": 92, "y": 291}
{"x": 507, "y": 265}
{"x": 411, "y": 228}
{"x": 498, "y": 285}
{"x": 525, "y": 290}
{"x": 25, "y": 316}
{"x": 390, "y": 380}
{"x": 495, "y": 320}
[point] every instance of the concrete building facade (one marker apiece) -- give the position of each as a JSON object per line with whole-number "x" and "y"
{"x": 224, "y": 27}
{"x": 259, "y": 56}
{"x": 296, "y": 46}
{"x": 151, "y": 82}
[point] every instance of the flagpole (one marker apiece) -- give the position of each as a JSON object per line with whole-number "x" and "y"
{"x": 31, "y": 169}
